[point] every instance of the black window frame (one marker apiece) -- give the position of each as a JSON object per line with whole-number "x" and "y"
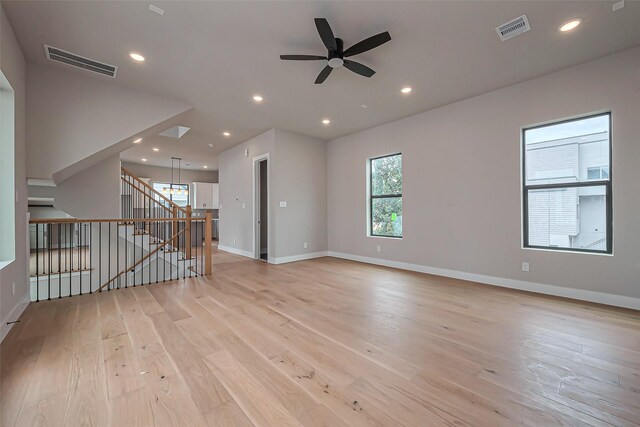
{"x": 586, "y": 183}
{"x": 381, "y": 196}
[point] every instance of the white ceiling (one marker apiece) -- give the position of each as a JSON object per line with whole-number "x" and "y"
{"x": 216, "y": 55}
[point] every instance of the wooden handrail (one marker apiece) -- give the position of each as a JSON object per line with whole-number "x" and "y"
{"x": 118, "y": 220}
{"x": 172, "y": 203}
{"x": 147, "y": 256}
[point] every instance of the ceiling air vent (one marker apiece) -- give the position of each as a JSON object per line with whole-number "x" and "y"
{"x": 513, "y": 28}
{"x": 59, "y": 55}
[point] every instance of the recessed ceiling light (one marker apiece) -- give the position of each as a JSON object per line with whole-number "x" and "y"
{"x": 363, "y": 106}
{"x": 326, "y": 121}
{"x": 257, "y": 98}
{"x": 210, "y": 145}
{"x": 225, "y": 133}
{"x": 144, "y": 160}
{"x": 156, "y": 149}
{"x": 136, "y": 56}
{"x": 137, "y": 141}
{"x": 406, "y": 90}
{"x": 570, "y": 25}
{"x": 205, "y": 166}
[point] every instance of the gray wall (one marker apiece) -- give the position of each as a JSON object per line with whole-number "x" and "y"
{"x": 236, "y": 189}
{"x": 462, "y": 182}
{"x": 300, "y": 179}
{"x": 93, "y": 193}
{"x": 162, "y": 174}
{"x": 297, "y": 175}
{"x": 13, "y": 66}
{"x": 96, "y": 116}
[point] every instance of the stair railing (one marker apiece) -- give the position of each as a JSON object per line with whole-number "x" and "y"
{"x": 74, "y": 256}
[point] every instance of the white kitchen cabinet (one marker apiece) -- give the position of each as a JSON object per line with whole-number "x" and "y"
{"x": 204, "y": 195}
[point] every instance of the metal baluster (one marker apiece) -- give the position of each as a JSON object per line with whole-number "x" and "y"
{"x": 109, "y": 255}
{"x": 59, "y": 262}
{"x": 49, "y": 257}
{"x": 90, "y": 258}
{"x": 37, "y": 263}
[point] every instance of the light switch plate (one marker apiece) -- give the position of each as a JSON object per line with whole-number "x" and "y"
{"x": 283, "y": 204}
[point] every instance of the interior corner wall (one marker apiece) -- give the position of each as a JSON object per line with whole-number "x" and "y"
{"x": 93, "y": 193}
{"x": 236, "y": 194}
{"x": 296, "y": 175}
{"x": 462, "y": 185}
{"x": 13, "y": 65}
{"x": 300, "y": 180}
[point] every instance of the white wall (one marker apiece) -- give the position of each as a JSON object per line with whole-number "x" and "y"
{"x": 74, "y": 115}
{"x": 297, "y": 176}
{"x": 462, "y": 185}
{"x": 13, "y": 66}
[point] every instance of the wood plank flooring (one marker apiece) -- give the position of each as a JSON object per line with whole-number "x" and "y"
{"x": 324, "y": 342}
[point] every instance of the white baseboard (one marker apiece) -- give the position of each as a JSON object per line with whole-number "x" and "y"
{"x": 301, "y": 257}
{"x": 235, "y": 251}
{"x": 578, "y": 294}
{"x": 14, "y": 315}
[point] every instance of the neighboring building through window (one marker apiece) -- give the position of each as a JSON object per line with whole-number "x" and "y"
{"x": 385, "y": 196}
{"x": 567, "y": 185}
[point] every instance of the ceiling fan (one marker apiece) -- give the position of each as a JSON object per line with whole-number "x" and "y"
{"x": 336, "y": 55}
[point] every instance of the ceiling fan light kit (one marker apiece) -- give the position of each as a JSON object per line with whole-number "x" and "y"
{"x": 336, "y": 54}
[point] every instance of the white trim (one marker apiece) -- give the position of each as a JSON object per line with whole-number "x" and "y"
{"x": 235, "y": 251}
{"x": 14, "y": 315}
{"x": 578, "y": 294}
{"x": 301, "y": 257}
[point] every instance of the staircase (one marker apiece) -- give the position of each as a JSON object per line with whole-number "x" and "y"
{"x": 154, "y": 241}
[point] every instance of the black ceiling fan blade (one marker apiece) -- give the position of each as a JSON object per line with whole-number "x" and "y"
{"x": 323, "y": 74}
{"x": 302, "y": 57}
{"x": 324, "y": 29}
{"x": 368, "y": 44}
{"x": 359, "y": 68}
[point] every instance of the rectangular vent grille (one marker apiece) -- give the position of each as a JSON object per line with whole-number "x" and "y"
{"x": 78, "y": 61}
{"x": 513, "y": 28}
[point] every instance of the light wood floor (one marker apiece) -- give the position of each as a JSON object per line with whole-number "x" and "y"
{"x": 320, "y": 342}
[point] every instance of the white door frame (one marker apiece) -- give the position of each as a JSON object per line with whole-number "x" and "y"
{"x": 256, "y": 207}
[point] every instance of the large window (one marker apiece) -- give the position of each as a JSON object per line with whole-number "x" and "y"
{"x": 177, "y": 193}
{"x": 7, "y": 173}
{"x": 385, "y": 196}
{"x": 567, "y": 185}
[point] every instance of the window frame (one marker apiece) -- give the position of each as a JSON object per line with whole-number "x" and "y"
{"x": 171, "y": 187}
{"x": 586, "y": 183}
{"x": 381, "y": 196}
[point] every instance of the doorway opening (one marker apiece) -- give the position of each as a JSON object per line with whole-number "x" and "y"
{"x": 261, "y": 244}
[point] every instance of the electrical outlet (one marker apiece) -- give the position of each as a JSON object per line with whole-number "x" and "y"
{"x": 525, "y": 266}
{"x": 377, "y": 248}
{"x": 306, "y": 245}
{"x": 244, "y": 206}
{"x": 13, "y": 288}
{"x": 234, "y": 241}
{"x": 283, "y": 204}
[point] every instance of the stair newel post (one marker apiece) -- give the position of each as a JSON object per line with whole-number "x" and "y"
{"x": 187, "y": 237}
{"x": 175, "y": 227}
{"x": 208, "y": 220}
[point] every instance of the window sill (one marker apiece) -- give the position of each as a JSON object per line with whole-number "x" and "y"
{"x": 384, "y": 237}
{"x": 567, "y": 251}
